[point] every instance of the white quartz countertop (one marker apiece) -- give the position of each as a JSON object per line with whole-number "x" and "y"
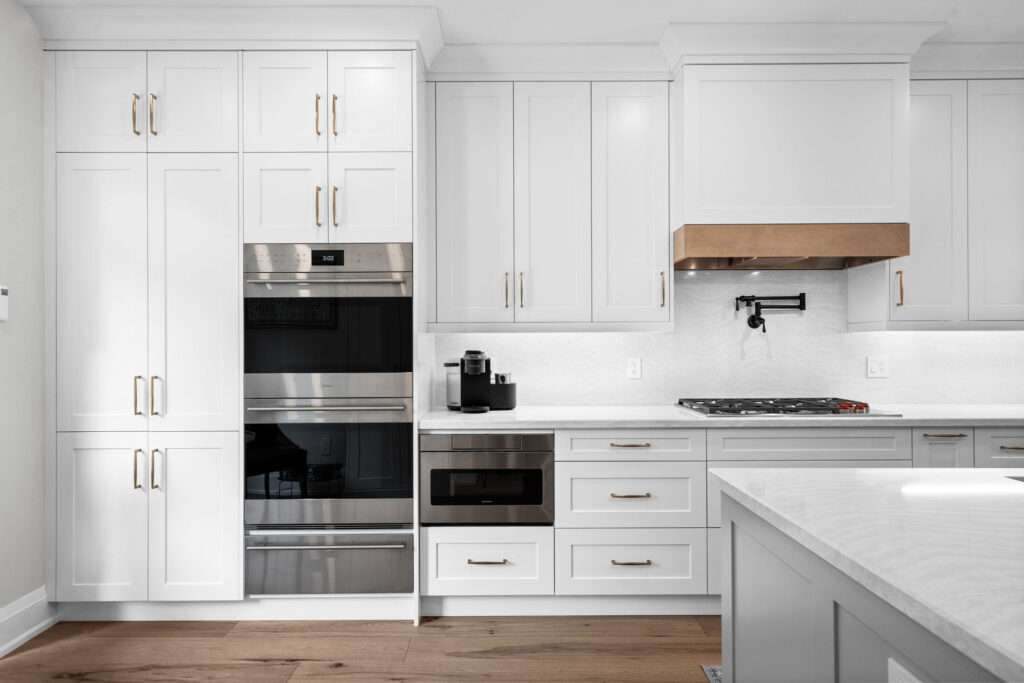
{"x": 673, "y": 416}
{"x": 943, "y": 546}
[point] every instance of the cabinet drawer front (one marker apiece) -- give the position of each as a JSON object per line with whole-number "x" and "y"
{"x": 488, "y": 561}
{"x": 631, "y": 561}
{"x": 999, "y": 447}
{"x": 658, "y": 444}
{"x": 630, "y": 494}
{"x": 809, "y": 444}
{"x": 944, "y": 447}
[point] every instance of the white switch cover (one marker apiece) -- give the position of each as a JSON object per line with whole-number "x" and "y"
{"x": 634, "y": 368}
{"x": 878, "y": 367}
{"x": 4, "y": 307}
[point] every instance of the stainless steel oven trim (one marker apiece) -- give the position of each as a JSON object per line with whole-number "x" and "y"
{"x": 333, "y": 410}
{"x": 328, "y": 384}
{"x": 298, "y": 258}
{"x": 333, "y": 512}
{"x": 327, "y": 285}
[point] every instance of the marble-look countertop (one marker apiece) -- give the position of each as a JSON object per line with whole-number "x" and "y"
{"x": 673, "y": 416}
{"x": 943, "y": 546}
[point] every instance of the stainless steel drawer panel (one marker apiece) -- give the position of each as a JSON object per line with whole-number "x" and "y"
{"x": 328, "y": 564}
{"x": 487, "y": 442}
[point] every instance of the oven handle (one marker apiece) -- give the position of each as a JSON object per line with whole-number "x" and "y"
{"x": 382, "y": 546}
{"x": 320, "y": 409}
{"x": 332, "y": 281}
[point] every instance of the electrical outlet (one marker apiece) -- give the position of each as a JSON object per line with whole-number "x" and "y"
{"x": 877, "y": 367}
{"x": 634, "y": 368}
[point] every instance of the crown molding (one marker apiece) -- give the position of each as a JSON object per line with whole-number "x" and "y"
{"x": 968, "y": 60}
{"x": 606, "y": 61}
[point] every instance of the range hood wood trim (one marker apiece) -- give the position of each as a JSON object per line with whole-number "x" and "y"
{"x": 789, "y": 246}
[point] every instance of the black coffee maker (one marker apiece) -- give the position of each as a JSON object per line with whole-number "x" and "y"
{"x": 475, "y": 368}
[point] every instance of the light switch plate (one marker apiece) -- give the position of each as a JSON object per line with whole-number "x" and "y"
{"x": 877, "y": 367}
{"x": 4, "y": 305}
{"x": 634, "y": 368}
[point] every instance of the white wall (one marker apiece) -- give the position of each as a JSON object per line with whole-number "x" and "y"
{"x": 712, "y": 352}
{"x": 22, "y": 565}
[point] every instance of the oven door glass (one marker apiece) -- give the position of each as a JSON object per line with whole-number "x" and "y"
{"x": 328, "y": 335}
{"x": 486, "y": 487}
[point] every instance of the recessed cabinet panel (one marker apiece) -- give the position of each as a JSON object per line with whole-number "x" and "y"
{"x": 996, "y": 204}
{"x": 101, "y": 102}
{"x": 192, "y": 102}
{"x": 632, "y": 274}
{"x": 474, "y": 202}
{"x": 370, "y": 101}
{"x": 194, "y": 359}
{"x": 286, "y": 107}
{"x": 101, "y": 292}
{"x": 286, "y": 198}
{"x": 371, "y": 197}
{"x": 944, "y": 447}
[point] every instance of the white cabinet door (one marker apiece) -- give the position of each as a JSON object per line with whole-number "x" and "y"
{"x": 474, "y": 202}
{"x": 552, "y": 202}
{"x": 488, "y": 560}
{"x": 371, "y": 196}
{"x": 195, "y": 525}
{"x": 371, "y": 101}
{"x": 101, "y": 517}
{"x": 996, "y": 204}
{"x": 285, "y": 101}
{"x": 101, "y": 292}
{"x": 194, "y": 357}
{"x": 101, "y": 105}
{"x": 931, "y": 283}
{"x": 795, "y": 143}
{"x": 944, "y": 447}
{"x": 192, "y": 103}
{"x": 285, "y": 198}
{"x": 632, "y": 273}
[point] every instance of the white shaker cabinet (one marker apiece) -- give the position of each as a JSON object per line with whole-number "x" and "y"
{"x": 195, "y": 525}
{"x": 101, "y": 292}
{"x": 996, "y": 204}
{"x": 194, "y": 357}
{"x": 285, "y": 198}
{"x": 552, "y": 202}
{"x": 943, "y": 447}
{"x": 285, "y": 101}
{"x": 370, "y": 196}
{"x": 370, "y": 101}
{"x": 632, "y": 273}
{"x": 474, "y": 202}
{"x": 101, "y": 102}
{"x": 102, "y": 517}
{"x": 192, "y": 101}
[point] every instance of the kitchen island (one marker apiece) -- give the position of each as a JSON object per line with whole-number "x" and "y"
{"x": 896, "y": 575}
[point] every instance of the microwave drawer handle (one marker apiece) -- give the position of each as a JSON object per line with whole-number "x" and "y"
{"x": 487, "y": 562}
{"x": 614, "y": 444}
{"x": 320, "y": 409}
{"x": 332, "y": 281}
{"x": 383, "y": 546}
{"x": 630, "y": 495}
{"x": 645, "y": 563}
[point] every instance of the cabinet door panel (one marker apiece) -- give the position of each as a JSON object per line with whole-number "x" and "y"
{"x": 944, "y": 447}
{"x": 101, "y": 517}
{"x": 196, "y": 106}
{"x": 95, "y": 94}
{"x": 371, "y": 197}
{"x": 101, "y": 292}
{"x": 931, "y": 283}
{"x": 1001, "y": 447}
{"x": 996, "y": 204}
{"x": 632, "y": 273}
{"x": 371, "y": 101}
{"x": 194, "y": 362}
{"x": 195, "y": 526}
{"x": 474, "y": 202}
{"x": 552, "y": 202}
{"x": 281, "y": 201}
{"x": 284, "y": 92}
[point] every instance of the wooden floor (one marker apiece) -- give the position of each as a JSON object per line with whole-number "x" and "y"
{"x": 645, "y": 649}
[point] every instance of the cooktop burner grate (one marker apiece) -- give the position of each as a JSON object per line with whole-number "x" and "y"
{"x": 775, "y": 406}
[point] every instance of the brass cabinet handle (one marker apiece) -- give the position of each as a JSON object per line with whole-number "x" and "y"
{"x": 899, "y": 277}
{"x": 334, "y": 115}
{"x": 152, "y": 469}
{"x": 645, "y": 563}
{"x": 522, "y": 297}
{"x": 1011, "y": 448}
{"x": 152, "y": 394}
{"x": 334, "y": 205}
{"x": 943, "y": 436}
{"x": 135, "y": 467}
{"x": 645, "y": 444}
{"x": 630, "y": 495}
{"x": 135, "y": 395}
{"x": 135, "y": 114}
{"x": 487, "y": 562}
{"x": 152, "y": 114}
{"x": 316, "y": 126}
{"x": 663, "y": 293}
{"x": 506, "y": 290}
{"x": 316, "y": 198}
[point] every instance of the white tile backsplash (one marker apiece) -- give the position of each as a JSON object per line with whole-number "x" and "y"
{"x": 712, "y": 352}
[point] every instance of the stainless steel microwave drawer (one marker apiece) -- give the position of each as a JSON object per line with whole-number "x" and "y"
{"x": 328, "y": 563}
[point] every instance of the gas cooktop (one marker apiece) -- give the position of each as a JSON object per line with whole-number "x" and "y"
{"x": 775, "y": 406}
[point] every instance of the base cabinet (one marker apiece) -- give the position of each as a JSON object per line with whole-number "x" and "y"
{"x": 1002, "y": 447}
{"x": 487, "y": 561}
{"x": 944, "y": 447}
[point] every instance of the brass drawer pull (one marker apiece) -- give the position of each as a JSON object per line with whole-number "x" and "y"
{"x": 506, "y": 290}
{"x": 522, "y": 296}
{"x": 135, "y": 467}
{"x": 645, "y": 563}
{"x": 630, "y": 495}
{"x": 334, "y": 115}
{"x": 629, "y": 445}
{"x": 899, "y": 277}
{"x": 316, "y": 126}
{"x": 1011, "y": 448}
{"x": 135, "y": 395}
{"x": 316, "y": 199}
{"x": 334, "y": 205}
{"x": 488, "y": 562}
{"x": 135, "y": 114}
{"x": 152, "y": 394}
{"x": 152, "y": 114}
{"x": 152, "y": 469}
{"x": 944, "y": 436}
{"x": 664, "y": 298}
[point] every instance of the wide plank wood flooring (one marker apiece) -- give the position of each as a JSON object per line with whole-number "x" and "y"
{"x": 648, "y": 649}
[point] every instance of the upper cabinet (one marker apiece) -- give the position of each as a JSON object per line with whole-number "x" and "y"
{"x": 371, "y": 101}
{"x": 138, "y": 102}
{"x": 795, "y": 143}
{"x": 285, "y": 106}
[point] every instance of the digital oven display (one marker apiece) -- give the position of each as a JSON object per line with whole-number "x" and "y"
{"x": 329, "y": 257}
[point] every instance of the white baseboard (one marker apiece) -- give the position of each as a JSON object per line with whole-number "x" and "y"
{"x": 24, "y": 619}
{"x": 569, "y": 605}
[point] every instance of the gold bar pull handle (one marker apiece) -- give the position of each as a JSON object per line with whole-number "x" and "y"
{"x": 899, "y": 280}
{"x": 630, "y": 495}
{"x": 487, "y": 562}
{"x": 152, "y": 394}
{"x": 334, "y": 205}
{"x": 932, "y": 435}
{"x": 1011, "y": 448}
{"x": 152, "y": 114}
{"x": 135, "y": 114}
{"x": 645, "y": 563}
{"x": 152, "y": 469}
{"x": 135, "y": 467}
{"x": 615, "y": 444}
{"x": 316, "y": 198}
{"x": 334, "y": 115}
{"x": 135, "y": 394}
{"x": 506, "y": 290}
{"x": 664, "y": 295}
{"x": 522, "y": 294}
{"x": 316, "y": 124}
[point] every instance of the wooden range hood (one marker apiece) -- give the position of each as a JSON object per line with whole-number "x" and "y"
{"x": 790, "y": 246}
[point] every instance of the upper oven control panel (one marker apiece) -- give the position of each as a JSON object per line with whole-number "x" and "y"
{"x": 327, "y": 258}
